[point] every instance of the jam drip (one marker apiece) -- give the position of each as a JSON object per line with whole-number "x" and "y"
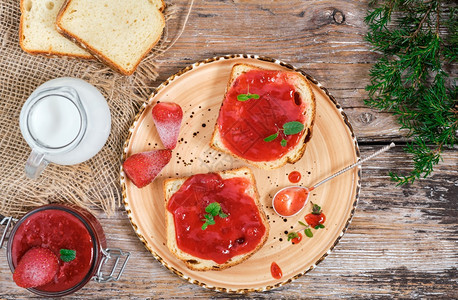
{"x": 240, "y": 232}
{"x": 245, "y": 124}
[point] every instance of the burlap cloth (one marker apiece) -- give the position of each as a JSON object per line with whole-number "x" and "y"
{"x": 92, "y": 184}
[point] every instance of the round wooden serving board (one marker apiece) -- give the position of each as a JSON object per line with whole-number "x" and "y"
{"x": 199, "y": 89}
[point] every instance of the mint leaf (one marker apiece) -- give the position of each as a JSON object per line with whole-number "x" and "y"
{"x": 302, "y": 223}
{"x": 316, "y": 210}
{"x": 292, "y": 235}
{"x": 222, "y": 215}
{"x": 319, "y": 226}
{"x": 243, "y": 97}
{"x": 213, "y": 208}
{"x": 208, "y": 218}
{"x": 67, "y": 255}
{"x": 292, "y": 127}
{"x": 283, "y": 143}
{"x": 272, "y": 137}
{"x": 308, "y": 232}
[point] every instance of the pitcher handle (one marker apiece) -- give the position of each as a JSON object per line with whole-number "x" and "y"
{"x": 35, "y": 164}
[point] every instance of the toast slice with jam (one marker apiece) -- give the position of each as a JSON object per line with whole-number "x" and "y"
{"x": 266, "y": 117}
{"x": 215, "y": 220}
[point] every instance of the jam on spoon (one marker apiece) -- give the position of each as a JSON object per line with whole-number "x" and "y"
{"x": 289, "y": 201}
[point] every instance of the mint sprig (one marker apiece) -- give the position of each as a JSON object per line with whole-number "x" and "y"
{"x": 213, "y": 209}
{"x": 316, "y": 210}
{"x": 289, "y": 128}
{"x": 308, "y": 232}
{"x": 247, "y": 96}
{"x": 67, "y": 255}
{"x": 292, "y": 235}
{"x": 272, "y": 137}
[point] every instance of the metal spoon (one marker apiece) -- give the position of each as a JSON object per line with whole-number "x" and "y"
{"x": 291, "y": 190}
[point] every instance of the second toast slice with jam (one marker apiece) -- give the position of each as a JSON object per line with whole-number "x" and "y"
{"x": 215, "y": 220}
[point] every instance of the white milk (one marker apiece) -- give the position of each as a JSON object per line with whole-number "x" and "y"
{"x": 54, "y": 121}
{"x": 60, "y": 130}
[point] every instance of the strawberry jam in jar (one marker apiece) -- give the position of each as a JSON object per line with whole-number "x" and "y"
{"x": 56, "y": 227}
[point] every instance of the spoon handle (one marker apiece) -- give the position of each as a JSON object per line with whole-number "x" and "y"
{"x": 355, "y": 164}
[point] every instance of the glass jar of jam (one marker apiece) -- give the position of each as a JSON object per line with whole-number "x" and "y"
{"x": 58, "y": 226}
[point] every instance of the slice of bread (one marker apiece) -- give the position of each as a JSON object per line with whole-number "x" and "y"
{"x": 118, "y": 33}
{"x": 304, "y": 90}
{"x": 171, "y": 186}
{"x": 37, "y": 32}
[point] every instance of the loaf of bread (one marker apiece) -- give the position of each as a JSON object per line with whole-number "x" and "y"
{"x": 172, "y": 186}
{"x": 37, "y": 32}
{"x": 118, "y": 33}
{"x": 255, "y": 134}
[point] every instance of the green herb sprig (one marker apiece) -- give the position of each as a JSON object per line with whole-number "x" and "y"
{"x": 410, "y": 78}
{"x": 213, "y": 209}
{"x": 307, "y": 231}
{"x": 67, "y": 255}
{"x": 289, "y": 128}
{"x": 247, "y": 96}
{"x": 316, "y": 210}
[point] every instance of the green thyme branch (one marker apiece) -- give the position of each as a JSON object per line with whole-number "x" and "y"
{"x": 410, "y": 78}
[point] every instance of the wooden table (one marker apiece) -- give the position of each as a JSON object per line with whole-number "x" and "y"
{"x": 402, "y": 241}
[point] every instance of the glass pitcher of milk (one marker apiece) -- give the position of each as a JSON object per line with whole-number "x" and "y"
{"x": 65, "y": 121}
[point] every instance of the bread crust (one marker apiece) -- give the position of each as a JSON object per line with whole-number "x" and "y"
{"x": 97, "y": 54}
{"x": 299, "y": 148}
{"x": 50, "y": 53}
{"x": 170, "y": 228}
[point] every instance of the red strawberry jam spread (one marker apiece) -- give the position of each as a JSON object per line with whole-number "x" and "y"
{"x": 276, "y": 271}
{"x": 238, "y": 233}
{"x": 245, "y": 124}
{"x": 55, "y": 230}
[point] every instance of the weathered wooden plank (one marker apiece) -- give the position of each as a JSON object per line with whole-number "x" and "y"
{"x": 402, "y": 243}
{"x": 324, "y": 38}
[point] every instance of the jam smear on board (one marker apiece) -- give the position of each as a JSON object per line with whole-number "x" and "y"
{"x": 245, "y": 124}
{"x": 294, "y": 177}
{"x": 238, "y": 233}
{"x": 275, "y": 271}
{"x": 56, "y": 230}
